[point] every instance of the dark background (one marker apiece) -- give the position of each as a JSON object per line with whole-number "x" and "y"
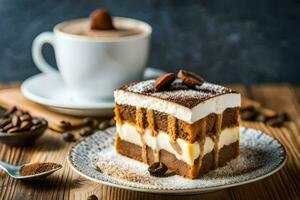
{"x": 225, "y": 41}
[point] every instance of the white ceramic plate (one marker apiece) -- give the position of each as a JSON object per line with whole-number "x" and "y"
{"x": 261, "y": 156}
{"x": 50, "y": 90}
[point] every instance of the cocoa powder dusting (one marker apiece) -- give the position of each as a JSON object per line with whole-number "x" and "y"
{"x": 38, "y": 168}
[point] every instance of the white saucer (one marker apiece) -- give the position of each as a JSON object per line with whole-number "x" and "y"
{"x": 50, "y": 90}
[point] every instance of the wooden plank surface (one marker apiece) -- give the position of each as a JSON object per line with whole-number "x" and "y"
{"x": 66, "y": 184}
{"x": 13, "y": 97}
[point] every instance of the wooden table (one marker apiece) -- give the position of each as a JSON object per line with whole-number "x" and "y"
{"x": 66, "y": 184}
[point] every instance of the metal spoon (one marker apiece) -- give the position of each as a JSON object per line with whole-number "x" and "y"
{"x": 13, "y": 171}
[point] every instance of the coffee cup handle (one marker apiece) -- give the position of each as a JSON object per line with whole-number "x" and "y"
{"x": 37, "y": 55}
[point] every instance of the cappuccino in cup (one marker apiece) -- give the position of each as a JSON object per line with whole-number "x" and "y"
{"x": 92, "y": 61}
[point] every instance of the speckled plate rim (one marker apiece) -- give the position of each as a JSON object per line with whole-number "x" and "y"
{"x": 184, "y": 191}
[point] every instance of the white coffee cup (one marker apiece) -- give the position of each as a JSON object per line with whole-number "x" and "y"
{"x": 92, "y": 67}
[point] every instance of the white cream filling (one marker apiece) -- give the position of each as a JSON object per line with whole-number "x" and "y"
{"x": 190, "y": 151}
{"x": 213, "y": 105}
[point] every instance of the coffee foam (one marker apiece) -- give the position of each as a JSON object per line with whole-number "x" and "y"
{"x": 124, "y": 27}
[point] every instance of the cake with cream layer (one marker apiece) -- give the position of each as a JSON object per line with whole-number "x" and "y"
{"x": 190, "y": 129}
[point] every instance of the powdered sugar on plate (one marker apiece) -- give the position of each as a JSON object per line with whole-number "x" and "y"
{"x": 96, "y": 158}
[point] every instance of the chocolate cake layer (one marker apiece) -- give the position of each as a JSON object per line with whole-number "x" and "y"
{"x": 185, "y": 130}
{"x": 181, "y": 168}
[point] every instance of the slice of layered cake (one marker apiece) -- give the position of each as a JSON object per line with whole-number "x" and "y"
{"x": 190, "y": 125}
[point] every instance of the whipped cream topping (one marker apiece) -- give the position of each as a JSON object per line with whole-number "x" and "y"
{"x": 216, "y": 104}
{"x": 190, "y": 151}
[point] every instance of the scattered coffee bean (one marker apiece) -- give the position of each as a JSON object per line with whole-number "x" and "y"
{"x": 190, "y": 78}
{"x": 34, "y": 127}
{"x": 112, "y": 122}
{"x": 260, "y": 118}
{"x": 284, "y": 117}
{"x": 18, "y": 120}
{"x": 157, "y": 169}
{"x": 9, "y": 112}
{"x": 88, "y": 121}
{"x": 19, "y": 112}
{"x": 92, "y": 197}
{"x": 15, "y": 120}
{"x": 68, "y": 137}
{"x": 4, "y": 122}
{"x": 65, "y": 124}
{"x": 86, "y": 131}
{"x": 25, "y": 125}
{"x": 25, "y": 117}
{"x": 44, "y": 122}
{"x": 260, "y": 114}
{"x": 104, "y": 125}
{"x": 36, "y": 121}
{"x": 275, "y": 122}
{"x": 248, "y": 108}
{"x": 163, "y": 81}
{"x": 13, "y": 130}
{"x": 248, "y": 115}
{"x": 7, "y": 127}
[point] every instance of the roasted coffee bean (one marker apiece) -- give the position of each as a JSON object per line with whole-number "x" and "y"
{"x": 4, "y": 122}
{"x": 44, "y": 122}
{"x": 25, "y": 117}
{"x": 25, "y": 125}
{"x": 100, "y": 19}
{"x": 103, "y": 125}
{"x": 157, "y": 169}
{"x": 88, "y": 121}
{"x": 86, "y": 131}
{"x": 15, "y": 120}
{"x": 13, "y": 130}
{"x": 19, "y": 112}
{"x": 248, "y": 108}
{"x": 9, "y": 112}
{"x": 260, "y": 118}
{"x": 112, "y": 122}
{"x": 249, "y": 115}
{"x": 284, "y": 117}
{"x": 163, "y": 81}
{"x": 36, "y": 121}
{"x": 65, "y": 124}
{"x": 190, "y": 78}
{"x": 34, "y": 127}
{"x": 68, "y": 137}
{"x": 275, "y": 122}
{"x": 92, "y": 197}
{"x": 7, "y": 127}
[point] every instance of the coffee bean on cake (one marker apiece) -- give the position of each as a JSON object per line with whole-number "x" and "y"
{"x": 190, "y": 79}
{"x": 163, "y": 81}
